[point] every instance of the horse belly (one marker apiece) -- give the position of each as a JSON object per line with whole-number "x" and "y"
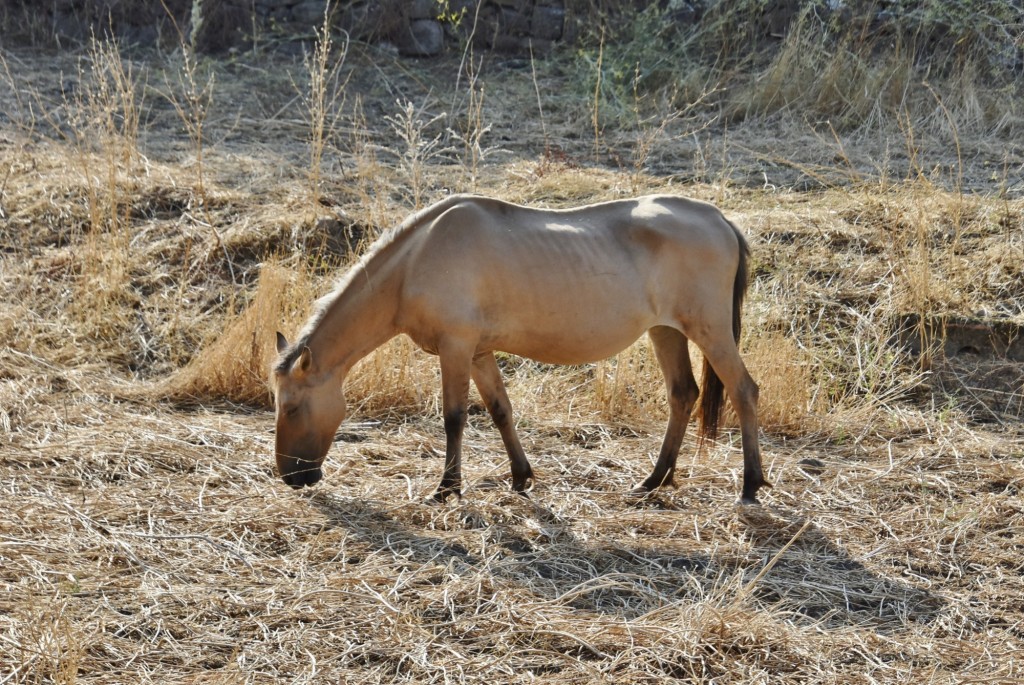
{"x": 560, "y": 348}
{"x": 573, "y": 326}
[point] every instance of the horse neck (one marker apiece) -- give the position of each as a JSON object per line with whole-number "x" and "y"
{"x": 358, "y": 318}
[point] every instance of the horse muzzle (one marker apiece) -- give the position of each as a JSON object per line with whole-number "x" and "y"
{"x": 298, "y": 472}
{"x": 299, "y": 479}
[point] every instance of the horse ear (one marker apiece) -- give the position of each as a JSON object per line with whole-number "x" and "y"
{"x": 304, "y": 361}
{"x": 282, "y": 342}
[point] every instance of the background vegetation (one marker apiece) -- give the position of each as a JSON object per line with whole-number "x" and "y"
{"x": 163, "y": 212}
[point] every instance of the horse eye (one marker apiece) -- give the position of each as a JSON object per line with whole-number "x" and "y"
{"x": 292, "y": 410}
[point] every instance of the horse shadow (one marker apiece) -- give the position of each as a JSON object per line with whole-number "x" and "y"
{"x": 815, "y": 578}
{"x": 789, "y": 565}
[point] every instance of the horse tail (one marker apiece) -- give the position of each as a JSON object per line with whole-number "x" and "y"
{"x": 712, "y": 392}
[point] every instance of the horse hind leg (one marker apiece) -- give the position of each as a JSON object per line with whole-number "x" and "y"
{"x": 487, "y": 377}
{"x": 724, "y": 359}
{"x": 672, "y": 350}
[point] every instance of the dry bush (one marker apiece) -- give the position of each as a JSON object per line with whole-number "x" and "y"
{"x": 104, "y": 128}
{"x": 235, "y": 365}
{"x": 322, "y": 101}
{"x": 850, "y": 67}
{"x": 853, "y": 82}
{"x": 397, "y": 377}
{"x": 784, "y": 373}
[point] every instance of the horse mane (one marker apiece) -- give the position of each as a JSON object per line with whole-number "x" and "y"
{"x": 383, "y": 244}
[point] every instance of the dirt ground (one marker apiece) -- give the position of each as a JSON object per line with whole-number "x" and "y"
{"x": 145, "y": 538}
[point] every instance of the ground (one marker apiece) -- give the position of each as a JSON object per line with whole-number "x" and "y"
{"x": 152, "y": 244}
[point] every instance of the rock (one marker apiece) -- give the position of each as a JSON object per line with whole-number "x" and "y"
{"x": 423, "y": 9}
{"x": 416, "y": 27}
{"x": 224, "y": 25}
{"x": 503, "y": 42}
{"x": 547, "y": 22}
{"x": 685, "y": 14}
{"x": 458, "y": 19}
{"x": 952, "y": 337}
{"x": 423, "y": 38}
{"x": 539, "y": 47}
{"x": 68, "y": 26}
{"x": 777, "y": 15}
{"x": 521, "y": 6}
{"x": 141, "y": 35}
{"x": 512, "y": 22}
{"x": 309, "y": 12}
{"x": 372, "y": 20}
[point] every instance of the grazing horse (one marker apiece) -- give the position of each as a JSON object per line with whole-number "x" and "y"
{"x": 471, "y": 275}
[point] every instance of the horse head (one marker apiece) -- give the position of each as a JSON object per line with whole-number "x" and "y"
{"x": 310, "y": 406}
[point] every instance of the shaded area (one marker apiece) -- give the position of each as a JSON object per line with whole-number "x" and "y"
{"x": 537, "y": 550}
{"x": 814, "y": 577}
{"x": 977, "y": 362}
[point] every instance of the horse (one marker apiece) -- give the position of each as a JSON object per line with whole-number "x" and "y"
{"x": 471, "y": 275}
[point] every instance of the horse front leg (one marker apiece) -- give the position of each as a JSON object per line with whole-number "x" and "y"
{"x": 455, "y": 372}
{"x": 487, "y": 377}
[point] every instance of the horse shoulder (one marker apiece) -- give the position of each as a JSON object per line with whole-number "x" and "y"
{"x": 443, "y": 265}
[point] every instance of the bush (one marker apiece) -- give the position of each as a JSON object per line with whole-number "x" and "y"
{"x": 851, "y": 63}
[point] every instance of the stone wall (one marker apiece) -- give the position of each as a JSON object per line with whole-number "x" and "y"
{"x": 414, "y": 27}
{"x": 430, "y": 27}
{"x": 427, "y": 27}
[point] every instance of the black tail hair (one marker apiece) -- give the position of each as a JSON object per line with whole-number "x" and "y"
{"x": 712, "y": 394}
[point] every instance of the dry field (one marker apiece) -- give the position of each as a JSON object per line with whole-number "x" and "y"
{"x": 161, "y": 217}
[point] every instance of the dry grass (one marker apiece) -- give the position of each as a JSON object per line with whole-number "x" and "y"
{"x": 145, "y": 539}
{"x": 234, "y": 366}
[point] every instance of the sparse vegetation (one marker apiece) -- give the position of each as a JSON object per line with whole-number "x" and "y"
{"x": 156, "y": 229}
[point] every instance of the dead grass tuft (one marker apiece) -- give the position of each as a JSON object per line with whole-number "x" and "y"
{"x": 235, "y": 365}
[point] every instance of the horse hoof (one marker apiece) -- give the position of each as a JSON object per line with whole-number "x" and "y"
{"x": 443, "y": 495}
{"x": 522, "y": 483}
{"x": 640, "y": 492}
{"x": 522, "y": 488}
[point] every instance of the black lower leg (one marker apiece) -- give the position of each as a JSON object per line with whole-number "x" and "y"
{"x": 682, "y": 394}
{"x": 451, "y": 480}
{"x": 522, "y": 472}
{"x": 753, "y": 477}
{"x": 665, "y": 468}
{"x": 661, "y": 475}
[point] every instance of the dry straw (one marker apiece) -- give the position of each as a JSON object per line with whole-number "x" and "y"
{"x": 146, "y": 539}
